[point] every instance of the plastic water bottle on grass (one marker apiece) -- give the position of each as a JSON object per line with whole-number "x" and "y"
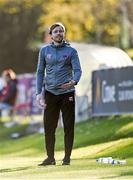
{"x": 110, "y": 160}
{"x": 118, "y": 162}
{"x": 115, "y": 161}
{"x": 104, "y": 160}
{"x": 122, "y": 162}
{"x": 107, "y": 160}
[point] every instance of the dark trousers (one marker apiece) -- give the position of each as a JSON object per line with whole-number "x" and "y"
{"x": 56, "y": 103}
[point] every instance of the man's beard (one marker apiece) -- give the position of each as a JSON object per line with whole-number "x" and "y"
{"x": 58, "y": 40}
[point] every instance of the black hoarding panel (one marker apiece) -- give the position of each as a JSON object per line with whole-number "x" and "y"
{"x": 112, "y": 91}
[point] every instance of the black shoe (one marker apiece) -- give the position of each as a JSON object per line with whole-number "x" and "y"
{"x": 47, "y": 161}
{"x": 66, "y": 161}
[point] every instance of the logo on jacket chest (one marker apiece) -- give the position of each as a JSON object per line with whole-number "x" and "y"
{"x": 65, "y": 56}
{"x": 48, "y": 56}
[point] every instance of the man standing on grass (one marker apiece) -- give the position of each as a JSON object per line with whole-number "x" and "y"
{"x": 58, "y": 71}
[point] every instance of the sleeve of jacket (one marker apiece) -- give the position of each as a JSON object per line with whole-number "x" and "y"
{"x": 76, "y": 66}
{"x": 40, "y": 71}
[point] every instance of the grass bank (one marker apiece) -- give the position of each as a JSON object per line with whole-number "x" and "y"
{"x": 97, "y": 137}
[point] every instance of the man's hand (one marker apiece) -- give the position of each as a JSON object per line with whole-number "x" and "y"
{"x": 40, "y": 101}
{"x": 69, "y": 84}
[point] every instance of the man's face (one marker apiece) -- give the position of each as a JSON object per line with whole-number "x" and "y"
{"x": 57, "y": 34}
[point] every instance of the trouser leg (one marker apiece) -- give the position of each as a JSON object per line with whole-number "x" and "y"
{"x": 51, "y": 115}
{"x": 68, "y": 113}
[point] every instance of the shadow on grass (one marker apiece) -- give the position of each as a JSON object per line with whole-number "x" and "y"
{"x": 15, "y": 169}
{"x": 128, "y": 173}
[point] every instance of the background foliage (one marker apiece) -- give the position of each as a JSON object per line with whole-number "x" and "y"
{"x": 23, "y": 23}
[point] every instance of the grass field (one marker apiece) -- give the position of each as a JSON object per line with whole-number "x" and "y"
{"x": 95, "y": 138}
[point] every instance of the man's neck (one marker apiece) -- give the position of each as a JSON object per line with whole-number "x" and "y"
{"x": 58, "y": 43}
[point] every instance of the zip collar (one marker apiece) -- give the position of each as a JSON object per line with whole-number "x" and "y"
{"x": 63, "y": 44}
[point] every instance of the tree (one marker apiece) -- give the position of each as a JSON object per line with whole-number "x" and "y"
{"x": 19, "y": 24}
{"x": 92, "y": 21}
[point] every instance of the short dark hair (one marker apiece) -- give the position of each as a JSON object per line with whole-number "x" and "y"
{"x": 53, "y": 26}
